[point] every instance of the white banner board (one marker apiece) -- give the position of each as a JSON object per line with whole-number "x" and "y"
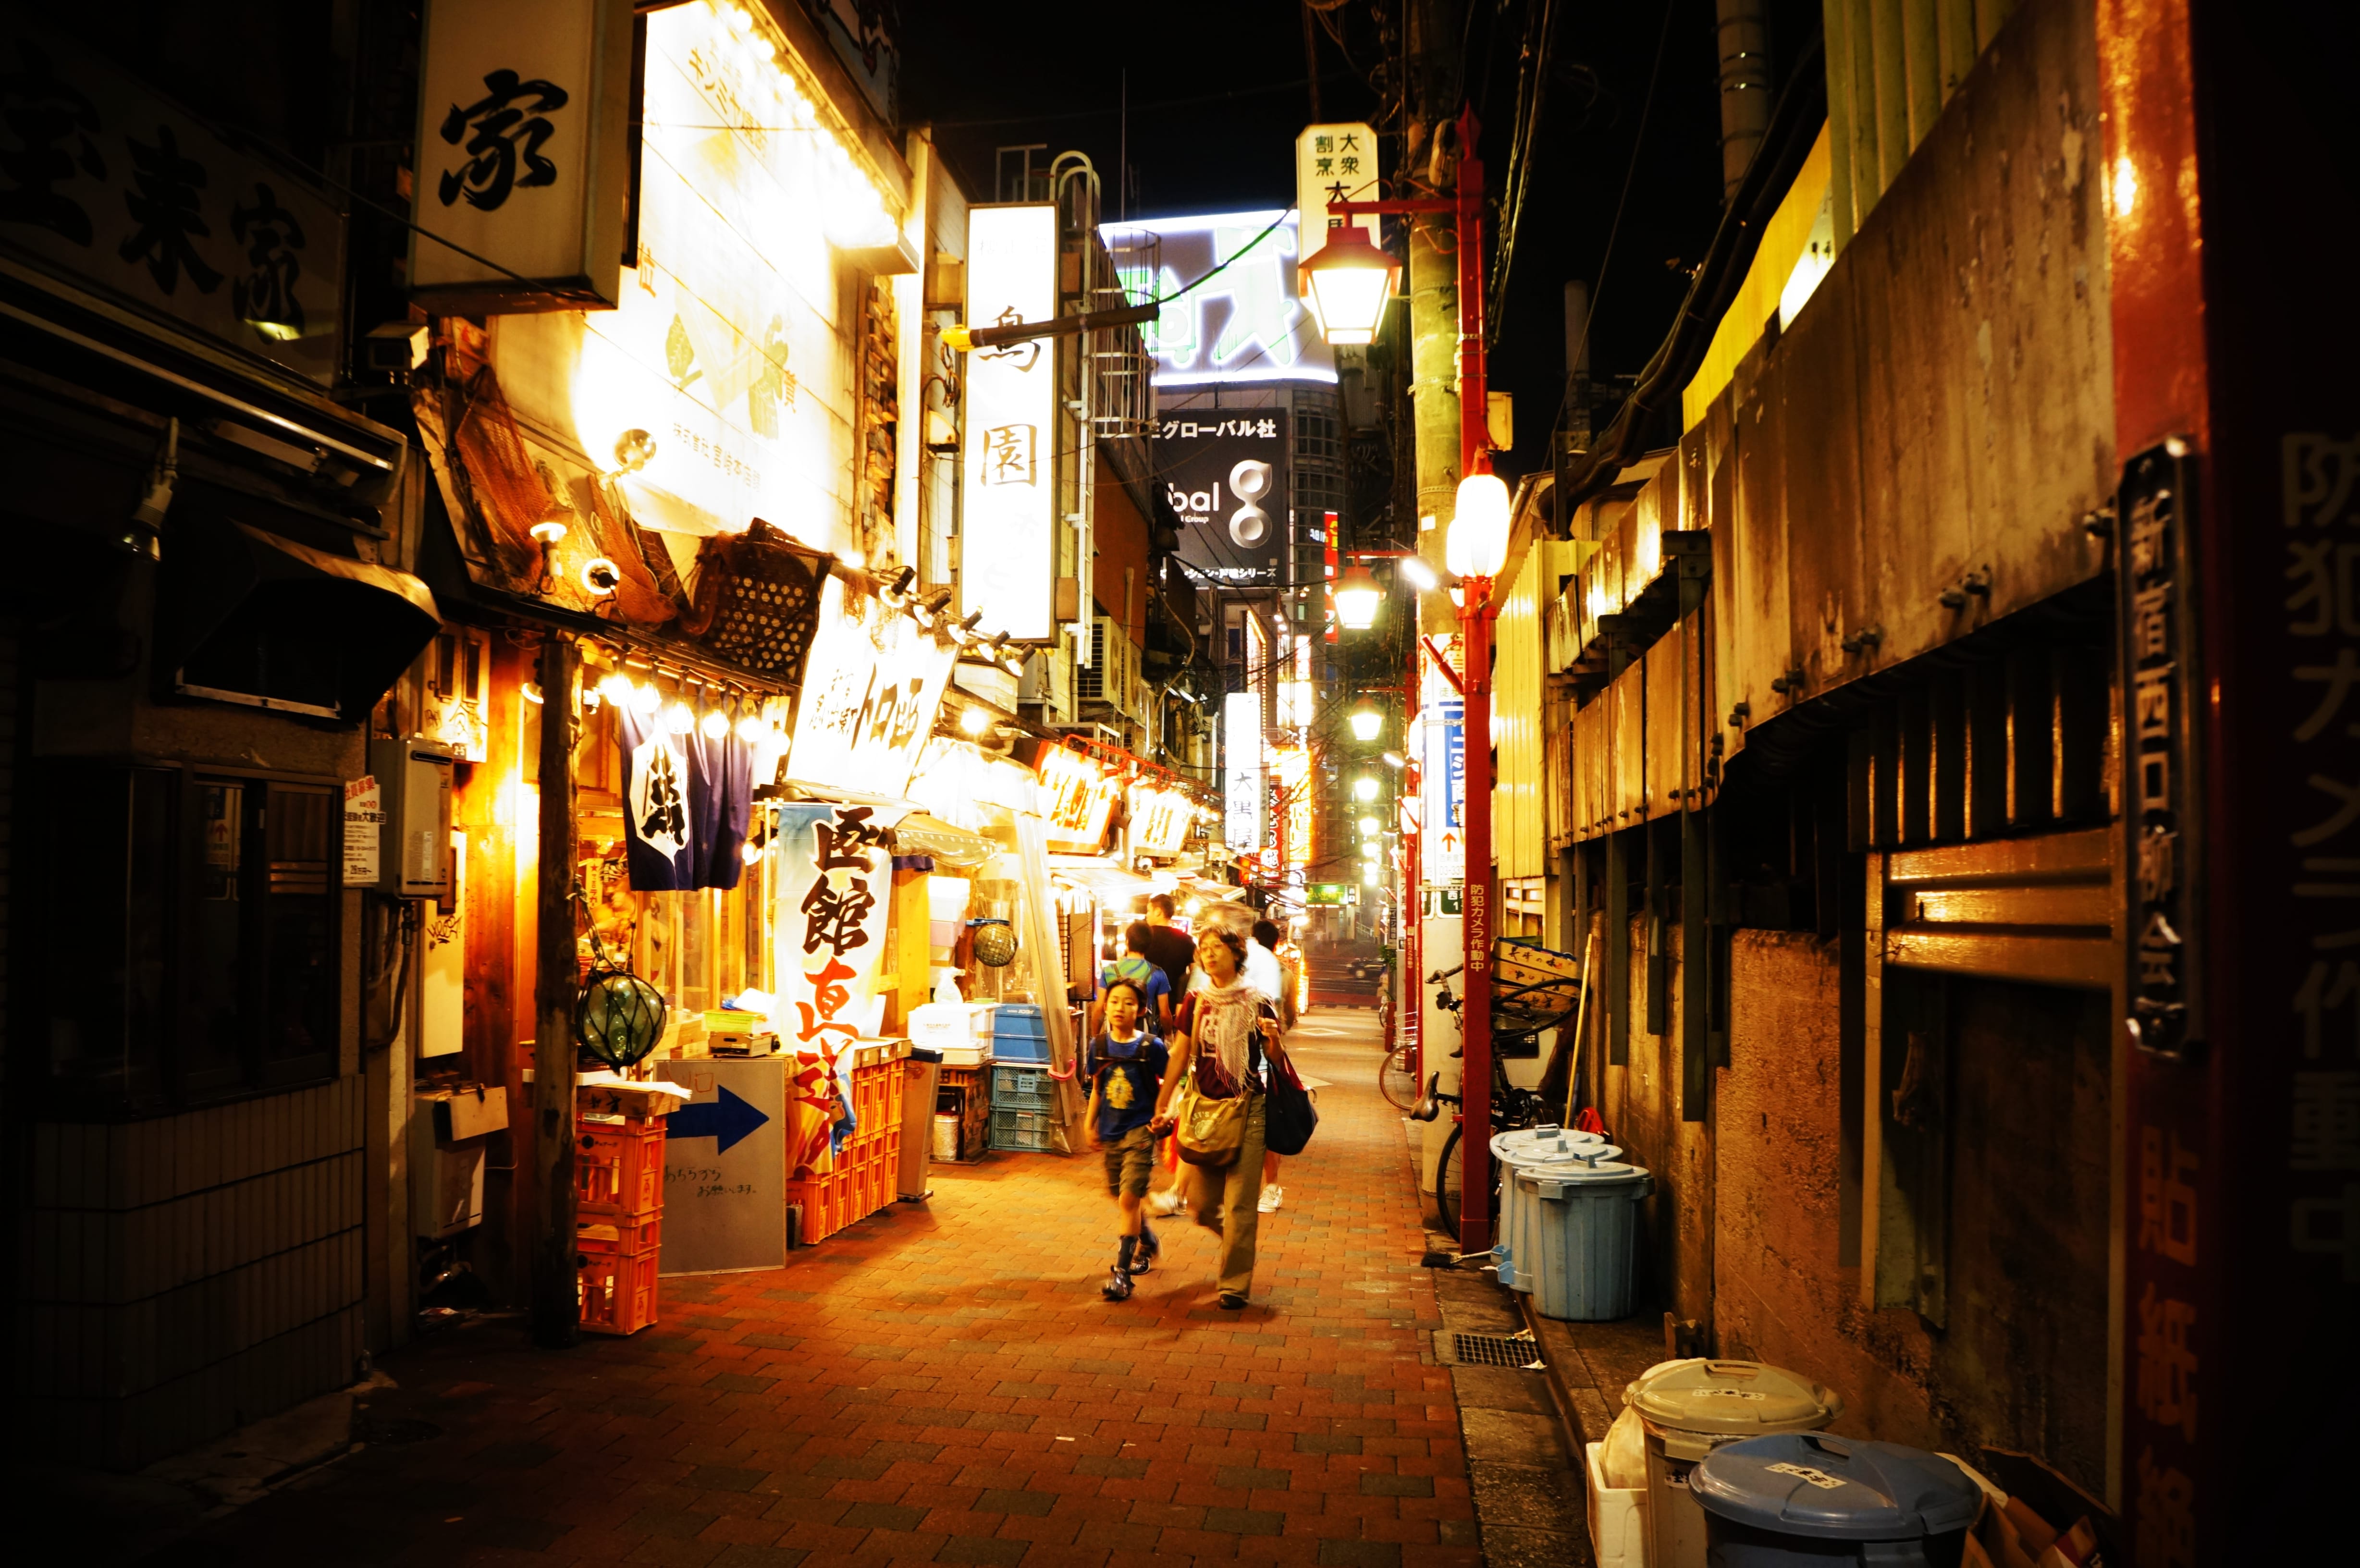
{"x": 1008, "y": 560}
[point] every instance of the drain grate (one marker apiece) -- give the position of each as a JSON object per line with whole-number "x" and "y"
{"x": 1493, "y": 1350}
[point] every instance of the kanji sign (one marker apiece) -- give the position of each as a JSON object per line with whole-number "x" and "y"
{"x": 104, "y": 182}
{"x": 522, "y": 150}
{"x": 871, "y": 688}
{"x": 1008, "y": 554}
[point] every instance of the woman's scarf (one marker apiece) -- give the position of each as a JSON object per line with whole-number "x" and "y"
{"x": 1226, "y": 1019}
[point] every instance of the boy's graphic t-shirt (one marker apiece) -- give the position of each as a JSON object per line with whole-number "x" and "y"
{"x": 1124, "y": 1077}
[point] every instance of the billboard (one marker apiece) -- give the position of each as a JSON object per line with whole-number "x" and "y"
{"x": 1224, "y": 472}
{"x": 1008, "y": 563}
{"x": 1247, "y": 323}
{"x": 1246, "y": 804}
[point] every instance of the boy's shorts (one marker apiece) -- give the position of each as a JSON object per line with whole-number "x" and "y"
{"x": 1130, "y": 1163}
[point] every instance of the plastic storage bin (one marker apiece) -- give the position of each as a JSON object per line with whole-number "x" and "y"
{"x": 1022, "y": 1132}
{"x": 1016, "y": 1032}
{"x": 1023, "y": 1088}
{"x": 1808, "y": 1501}
{"x": 1618, "y": 1517}
{"x": 1690, "y": 1408}
{"x": 1585, "y": 1220}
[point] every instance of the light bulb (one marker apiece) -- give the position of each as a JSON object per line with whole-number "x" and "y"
{"x": 678, "y": 719}
{"x": 616, "y": 688}
{"x": 716, "y": 724}
{"x": 975, "y": 720}
{"x": 533, "y": 692}
{"x": 1369, "y": 825}
{"x": 1364, "y": 787}
{"x": 751, "y": 729}
{"x": 645, "y": 700}
{"x": 750, "y": 853}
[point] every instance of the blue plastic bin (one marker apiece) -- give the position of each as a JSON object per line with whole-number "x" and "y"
{"x": 1016, "y": 1032}
{"x": 1586, "y": 1218}
{"x": 1804, "y": 1499}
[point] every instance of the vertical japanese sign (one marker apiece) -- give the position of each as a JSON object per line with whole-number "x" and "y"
{"x": 1293, "y": 766}
{"x": 1444, "y": 786}
{"x": 1008, "y": 559}
{"x": 105, "y": 181}
{"x": 524, "y": 154}
{"x": 835, "y": 884}
{"x": 1333, "y": 163}
{"x": 871, "y": 691}
{"x": 1244, "y": 807}
{"x": 2163, "y": 805}
{"x": 364, "y": 829}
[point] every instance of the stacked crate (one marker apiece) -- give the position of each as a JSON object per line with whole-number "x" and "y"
{"x": 1023, "y": 1109}
{"x": 865, "y": 1174}
{"x": 618, "y": 1198}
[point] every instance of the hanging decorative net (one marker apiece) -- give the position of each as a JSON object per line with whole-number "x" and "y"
{"x": 619, "y": 1017}
{"x": 757, "y": 599}
{"x": 995, "y": 942}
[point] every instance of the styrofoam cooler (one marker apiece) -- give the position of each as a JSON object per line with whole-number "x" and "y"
{"x": 1587, "y": 1220}
{"x": 1517, "y": 1239}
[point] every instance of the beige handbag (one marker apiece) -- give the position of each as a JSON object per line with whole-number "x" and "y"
{"x": 1210, "y": 1131}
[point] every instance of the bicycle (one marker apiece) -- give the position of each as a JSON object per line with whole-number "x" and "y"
{"x": 1397, "y": 1078}
{"x": 1512, "y": 1108}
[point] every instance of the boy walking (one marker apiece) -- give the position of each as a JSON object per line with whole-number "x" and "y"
{"x": 1123, "y": 1067}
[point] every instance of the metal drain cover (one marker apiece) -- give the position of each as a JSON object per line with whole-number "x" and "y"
{"x": 1493, "y": 1350}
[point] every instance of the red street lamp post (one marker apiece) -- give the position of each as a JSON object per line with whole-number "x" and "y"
{"x": 1341, "y": 278}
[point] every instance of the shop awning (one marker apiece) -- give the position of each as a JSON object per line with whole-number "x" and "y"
{"x": 955, "y": 848}
{"x": 1204, "y": 887}
{"x": 248, "y": 617}
{"x": 1105, "y": 878}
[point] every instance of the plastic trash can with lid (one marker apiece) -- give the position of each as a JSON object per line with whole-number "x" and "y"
{"x": 1585, "y": 1211}
{"x": 1515, "y": 1243}
{"x": 1808, "y": 1500}
{"x": 1690, "y": 1408}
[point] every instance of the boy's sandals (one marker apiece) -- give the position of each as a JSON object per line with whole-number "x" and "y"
{"x": 1232, "y": 1303}
{"x": 1143, "y": 1258}
{"x": 1118, "y": 1286}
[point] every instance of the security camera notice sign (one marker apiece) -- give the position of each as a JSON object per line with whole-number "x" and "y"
{"x": 363, "y": 827}
{"x": 1224, "y": 474}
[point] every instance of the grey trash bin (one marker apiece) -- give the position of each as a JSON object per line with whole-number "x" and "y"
{"x": 1516, "y": 1241}
{"x": 1690, "y": 1408}
{"x": 1805, "y": 1498}
{"x": 1586, "y": 1217}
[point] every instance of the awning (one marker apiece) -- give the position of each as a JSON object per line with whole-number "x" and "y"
{"x": 1105, "y": 878}
{"x": 248, "y": 617}
{"x": 956, "y": 848}
{"x": 1204, "y": 887}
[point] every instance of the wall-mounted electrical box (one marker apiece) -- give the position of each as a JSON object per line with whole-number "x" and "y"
{"x": 413, "y": 780}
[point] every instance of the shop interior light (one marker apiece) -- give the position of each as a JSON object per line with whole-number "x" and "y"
{"x": 678, "y": 719}
{"x": 1477, "y": 545}
{"x": 616, "y": 688}
{"x": 1357, "y": 596}
{"x": 548, "y": 531}
{"x": 601, "y": 576}
{"x": 716, "y": 724}
{"x": 750, "y": 853}
{"x": 1419, "y": 575}
{"x": 1349, "y": 282}
{"x": 645, "y": 700}
{"x": 751, "y": 729}
{"x": 533, "y": 692}
{"x": 634, "y": 449}
{"x": 975, "y": 720}
{"x": 1367, "y": 721}
{"x": 1364, "y": 787}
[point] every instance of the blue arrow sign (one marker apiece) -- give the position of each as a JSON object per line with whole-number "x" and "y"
{"x": 728, "y": 1118}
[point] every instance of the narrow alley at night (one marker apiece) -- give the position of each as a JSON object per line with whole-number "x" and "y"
{"x": 1350, "y": 784}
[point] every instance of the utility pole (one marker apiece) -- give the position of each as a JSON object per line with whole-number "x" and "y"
{"x": 556, "y": 1291}
{"x": 1436, "y": 71}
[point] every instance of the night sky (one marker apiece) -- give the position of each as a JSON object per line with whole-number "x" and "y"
{"x": 1218, "y": 91}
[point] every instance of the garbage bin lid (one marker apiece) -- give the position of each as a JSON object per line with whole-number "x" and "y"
{"x": 1812, "y": 1484}
{"x": 1577, "y": 1160}
{"x": 1745, "y": 1397}
{"x": 1582, "y": 1172}
{"x": 1542, "y": 1143}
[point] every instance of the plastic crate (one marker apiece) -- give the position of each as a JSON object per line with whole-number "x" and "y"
{"x": 617, "y": 1290}
{"x": 619, "y": 1168}
{"x": 1023, "y": 1089}
{"x": 1022, "y": 1132}
{"x": 630, "y": 1235}
{"x": 1016, "y": 1032}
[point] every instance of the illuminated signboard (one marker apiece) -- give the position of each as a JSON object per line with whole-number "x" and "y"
{"x": 1334, "y": 163}
{"x": 1294, "y": 764}
{"x": 1247, "y": 323}
{"x": 871, "y": 690}
{"x": 725, "y": 350}
{"x": 1008, "y": 560}
{"x": 1244, "y": 804}
{"x": 1078, "y": 800}
{"x": 1160, "y": 819}
{"x": 1224, "y": 477}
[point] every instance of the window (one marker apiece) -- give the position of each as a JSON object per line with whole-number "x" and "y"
{"x": 188, "y": 948}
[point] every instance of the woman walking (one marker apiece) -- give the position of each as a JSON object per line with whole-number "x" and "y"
{"x": 1224, "y": 1035}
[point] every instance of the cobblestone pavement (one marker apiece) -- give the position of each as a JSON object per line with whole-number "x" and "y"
{"x": 944, "y": 1384}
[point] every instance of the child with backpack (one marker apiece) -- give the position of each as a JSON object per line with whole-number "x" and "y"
{"x": 1122, "y": 1070}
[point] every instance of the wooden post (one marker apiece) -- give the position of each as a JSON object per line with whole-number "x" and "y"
{"x": 556, "y": 1298}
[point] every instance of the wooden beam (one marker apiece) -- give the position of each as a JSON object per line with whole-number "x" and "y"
{"x": 556, "y": 1300}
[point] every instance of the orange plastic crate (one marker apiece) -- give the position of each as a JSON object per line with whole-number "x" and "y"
{"x": 617, "y": 1291}
{"x": 630, "y": 1235}
{"x": 619, "y": 1169}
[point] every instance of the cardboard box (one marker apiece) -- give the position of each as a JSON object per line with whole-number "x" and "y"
{"x": 465, "y": 1113}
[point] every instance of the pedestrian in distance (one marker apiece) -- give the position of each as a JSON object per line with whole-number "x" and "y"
{"x": 1122, "y": 1068}
{"x": 1169, "y": 948}
{"x": 1224, "y": 1035}
{"x": 1265, "y": 936}
{"x": 1137, "y": 966}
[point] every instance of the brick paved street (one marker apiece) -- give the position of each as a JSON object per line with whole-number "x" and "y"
{"x": 943, "y": 1384}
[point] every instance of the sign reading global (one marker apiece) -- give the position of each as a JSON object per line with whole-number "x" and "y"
{"x": 1245, "y": 323}
{"x": 1224, "y": 475}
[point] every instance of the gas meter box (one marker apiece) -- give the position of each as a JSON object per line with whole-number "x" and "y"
{"x": 413, "y": 778}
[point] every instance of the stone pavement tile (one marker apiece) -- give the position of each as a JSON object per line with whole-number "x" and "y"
{"x": 943, "y": 1381}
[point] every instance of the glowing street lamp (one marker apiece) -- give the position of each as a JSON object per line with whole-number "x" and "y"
{"x": 1351, "y": 281}
{"x": 1369, "y": 825}
{"x": 1366, "y": 721}
{"x": 1358, "y": 594}
{"x": 1477, "y": 542}
{"x": 1364, "y": 787}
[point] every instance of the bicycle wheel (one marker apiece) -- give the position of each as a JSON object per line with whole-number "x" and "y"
{"x": 1397, "y": 1082}
{"x": 1448, "y": 1172}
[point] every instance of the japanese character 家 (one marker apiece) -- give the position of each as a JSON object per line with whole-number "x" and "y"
{"x": 507, "y": 131}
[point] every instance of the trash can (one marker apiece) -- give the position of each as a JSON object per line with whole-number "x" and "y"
{"x": 1514, "y": 1242}
{"x": 1585, "y": 1217}
{"x": 1805, "y": 1498}
{"x": 1690, "y": 1408}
